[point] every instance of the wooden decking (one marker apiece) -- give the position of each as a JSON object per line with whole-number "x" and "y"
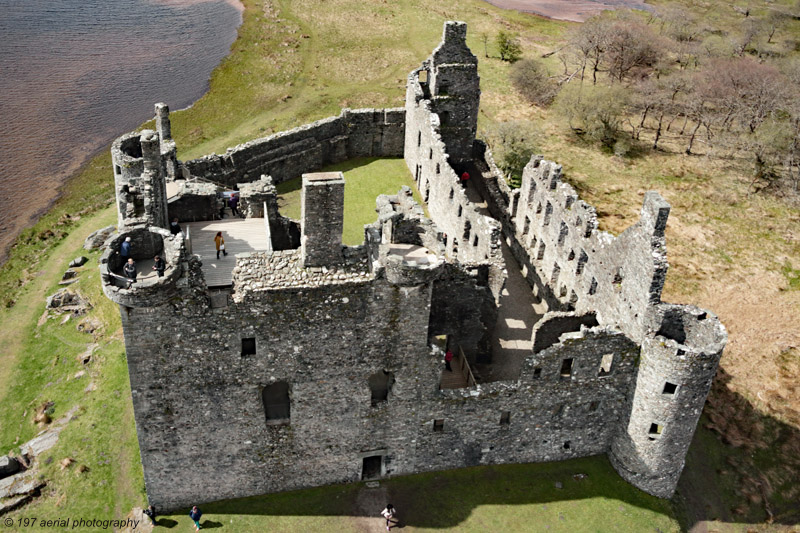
{"x": 241, "y": 235}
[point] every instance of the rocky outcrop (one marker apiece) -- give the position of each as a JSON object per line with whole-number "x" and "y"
{"x": 97, "y": 238}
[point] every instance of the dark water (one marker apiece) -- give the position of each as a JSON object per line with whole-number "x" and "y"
{"x": 75, "y": 74}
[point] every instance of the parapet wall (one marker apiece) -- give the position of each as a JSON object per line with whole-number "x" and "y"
{"x": 289, "y": 154}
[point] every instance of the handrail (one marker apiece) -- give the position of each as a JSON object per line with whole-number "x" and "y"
{"x": 466, "y": 371}
{"x": 267, "y": 229}
{"x": 188, "y": 241}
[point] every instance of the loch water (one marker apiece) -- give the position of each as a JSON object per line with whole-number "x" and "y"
{"x": 75, "y": 74}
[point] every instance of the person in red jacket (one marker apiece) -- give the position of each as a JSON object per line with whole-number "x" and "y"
{"x": 464, "y": 178}
{"x": 448, "y": 356}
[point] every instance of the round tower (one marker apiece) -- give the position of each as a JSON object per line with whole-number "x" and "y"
{"x": 149, "y": 290}
{"x": 139, "y": 180}
{"x": 679, "y": 359}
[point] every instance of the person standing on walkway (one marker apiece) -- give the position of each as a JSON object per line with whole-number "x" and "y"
{"x": 125, "y": 249}
{"x": 159, "y": 265}
{"x": 464, "y": 178}
{"x": 448, "y": 356}
{"x": 389, "y": 513}
{"x": 234, "y": 204}
{"x": 220, "y": 242}
{"x": 174, "y": 227}
{"x": 195, "y": 515}
{"x": 130, "y": 271}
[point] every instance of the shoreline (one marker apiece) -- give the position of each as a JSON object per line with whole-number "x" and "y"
{"x": 55, "y": 185}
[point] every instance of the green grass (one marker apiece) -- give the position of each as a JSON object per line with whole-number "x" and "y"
{"x": 508, "y": 498}
{"x": 103, "y": 437}
{"x": 365, "y": 179}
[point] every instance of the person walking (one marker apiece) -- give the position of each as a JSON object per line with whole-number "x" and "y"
{"x": 151, "y": 512}
{"x": 130, "y": 271}
{"x": 220, "y": 242}
{"x": 464, "y": 178}
{"x": 195, "y": 515}
{"x": 389, "y": 513}
{"x": 234, "y": 204}
{"x": 174, "y": 227}
{"x": 125, "y": 249}
{"x": 159, "y": 265}
{"x": 448, "y": 356}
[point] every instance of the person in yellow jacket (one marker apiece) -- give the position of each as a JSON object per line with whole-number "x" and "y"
{"x": 220, "y": 241}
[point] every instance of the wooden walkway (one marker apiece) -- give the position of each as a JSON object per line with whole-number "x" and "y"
{"x": 241, "y": 235}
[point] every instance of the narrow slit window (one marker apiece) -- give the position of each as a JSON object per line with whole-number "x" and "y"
{"x": 566, "y": 367}
{"x": 248, "y": 346}
{"x": 593, "y": 287}
{"x": 527, "y": 227}
{"x": 438, "y": 425}
{"x": 419, "y": 138}
{"x": 475, "y": 241}
{"x": 605, "y": 365}
{"x": 452, "y": 192}
{"x": 537, "y": 373}
{"x": 505, "y": 418}
{"x": 117, "y": 169}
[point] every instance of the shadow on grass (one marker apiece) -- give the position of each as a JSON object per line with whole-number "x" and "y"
{"x": 166, "y": 522}
{"x": 742, "y": 466}
{"x": 447, "y": 499}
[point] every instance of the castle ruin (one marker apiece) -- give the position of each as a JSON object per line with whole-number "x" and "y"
{"x": 308, "y": 362}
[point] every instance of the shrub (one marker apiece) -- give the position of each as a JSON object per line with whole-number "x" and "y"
{"x": 509, "y": 47}
{"x": 530, "y": 78}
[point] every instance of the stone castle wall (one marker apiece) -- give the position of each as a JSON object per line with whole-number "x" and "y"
{"x": 289, "y": 154}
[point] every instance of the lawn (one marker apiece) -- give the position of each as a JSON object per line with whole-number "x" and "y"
{"x": 365, "y": 179}
{"x": 505, "y": 498}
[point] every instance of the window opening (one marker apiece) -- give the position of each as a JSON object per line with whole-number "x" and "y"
{"x": 669, "y": 388}
{"x": 605, "y": 365}
{"x": 566, "y": 367}
{"x": 276, "y": 403}
{"x": 438, "y": 424}
{"x": 248, "y": 346}
{"x": 655, "y": 431}
{"x": 505, "y": 418}
{"x": 380, "y": 383}
{"x": 537, "y": 373}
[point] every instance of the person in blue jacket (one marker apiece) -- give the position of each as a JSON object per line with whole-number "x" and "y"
{"x": 195, "y": 515}
{"x": 125, "y": 249}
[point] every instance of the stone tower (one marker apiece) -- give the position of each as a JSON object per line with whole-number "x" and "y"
{"x": 140, "y": 181}
{"x": 322, "y": 206}
{"x": 679, "y": 358}
{"x": 455, "y": 92}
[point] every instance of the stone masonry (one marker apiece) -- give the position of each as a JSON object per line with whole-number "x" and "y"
{"x": 322, "y": 363}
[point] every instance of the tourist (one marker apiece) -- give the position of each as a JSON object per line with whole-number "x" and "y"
{"x": 130, "y": 271}
{"x": 195, "y": 515}
{"x": 447, "y": 358}
{"x": 159, "y": 265}
{"x": 389, "y": 514}
{"x": 125, "y": 249}
{"x": 234, "y": 204}
{"x": 464, "y": 178}
{"x": 174, "y": 227}
{"x": 151, "y": 512}
{"x": 220, "y": 241}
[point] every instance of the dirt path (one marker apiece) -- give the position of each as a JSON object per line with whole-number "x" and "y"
{"x": 367, "y": 508}
{"x": 571, "y": 10}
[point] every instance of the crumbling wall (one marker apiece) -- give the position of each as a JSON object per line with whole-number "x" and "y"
{"x": 471, "y": 237}
{"x": 289, "y": 154}
{"x": 194, "y": 201}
